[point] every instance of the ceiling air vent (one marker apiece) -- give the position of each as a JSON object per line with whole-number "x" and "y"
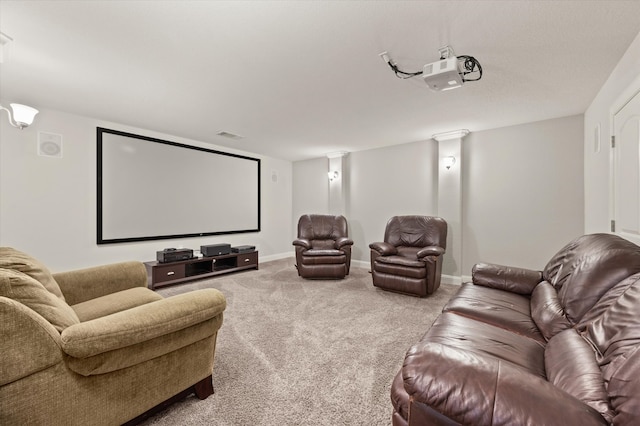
{"x": 229, "y": 135}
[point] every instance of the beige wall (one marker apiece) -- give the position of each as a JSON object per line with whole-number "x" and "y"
{"x": 522, "y": 192}
{"x": 48, "y": 205}
{"x": 522, "y": 189}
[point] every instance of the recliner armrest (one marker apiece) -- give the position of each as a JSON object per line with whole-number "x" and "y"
{"x": 508, "y": 278}
{"x": 430, "y": 251}
{"x": 385, "y": 249}
{"x": 302, "y": 242}
{"x": 475, "y": 388}
{"x": 343, "y": 241}
{"x": 90, "y": 283}
{"x": 142, "y": 323}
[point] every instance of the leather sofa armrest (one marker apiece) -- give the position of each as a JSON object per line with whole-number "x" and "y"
{"x": 430, "y": 251}
{"x": 142, "y": 323}
{"x": 343, "y": 241}
{"x": 507, "y": 278}
{"x": 383, "y": 248}
{"x": 302, "y": 242}
{"x": 90, "y": 283}
{"x": 475, "y": 388}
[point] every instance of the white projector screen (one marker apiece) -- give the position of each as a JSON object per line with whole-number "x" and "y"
{"x": 152, "y": 189}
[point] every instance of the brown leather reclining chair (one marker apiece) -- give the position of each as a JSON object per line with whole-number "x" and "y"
{"x": 323, "y": 249}
{"x": 410, "y": 258}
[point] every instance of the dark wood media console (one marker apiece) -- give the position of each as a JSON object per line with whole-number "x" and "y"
{"x": 160, "y": 274}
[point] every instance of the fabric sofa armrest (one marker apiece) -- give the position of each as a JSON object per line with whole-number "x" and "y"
{"x": 474, "y": 388}
{"x": 343, "y": 241}
{"x": 383, "y": 248}
{"x": 507, "y": 278}
{"x": 430, "y": 251}
{"x": 302, "y": 242}
{"x": 90, "y": 283}
{"x": 142, "y": 323}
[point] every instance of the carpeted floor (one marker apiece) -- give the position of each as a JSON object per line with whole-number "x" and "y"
{"x": 300, "y": 352}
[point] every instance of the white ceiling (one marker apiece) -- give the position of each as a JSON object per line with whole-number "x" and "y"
{"x": 300, "y": 79}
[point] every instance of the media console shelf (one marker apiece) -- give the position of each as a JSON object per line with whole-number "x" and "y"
{"x": 161, "y": 274}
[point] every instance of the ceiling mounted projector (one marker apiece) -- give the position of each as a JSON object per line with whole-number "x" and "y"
{"x": 450, "y": 72}
{"x": 442, "y": 75}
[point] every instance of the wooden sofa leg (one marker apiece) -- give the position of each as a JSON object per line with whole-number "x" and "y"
{"x": 204, "y": 387}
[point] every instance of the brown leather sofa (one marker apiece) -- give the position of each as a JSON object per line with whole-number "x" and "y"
{"x": 323, "y": 247}
{"x": 410, "y": 258}
{"x": 95, "y": 346}
{"x": 559, "y": 346}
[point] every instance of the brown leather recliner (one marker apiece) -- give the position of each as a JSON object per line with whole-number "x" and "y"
{"x": 410, "y": 258}
{"x": 323, "y": 247}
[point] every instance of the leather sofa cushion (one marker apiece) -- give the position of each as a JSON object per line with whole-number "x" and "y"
{"x": 571, "y": 366}
{"x": 510, "y": 311}
{"x": 11, "y": 258}
{"x": 616, "y": 331}
{"x": 399, "y": 397}
{"x": 22, "y": 288}
{"x": 323, "y": 257}
{"x": 401, "y": 261}
{"x": 453, "y": 330}
{"x": 400, "y": 270}
{"x": 323, "y": 244}
{"x": 624, "y": 389}
{"x": 546, "y": 310}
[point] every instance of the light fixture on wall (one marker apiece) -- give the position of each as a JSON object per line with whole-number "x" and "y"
{"x": 333, "y": 175}
{"x": 449, "y": 161}
{"x": 22, "y": 116}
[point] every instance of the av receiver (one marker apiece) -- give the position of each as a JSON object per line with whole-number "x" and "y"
{"x": 173, "y": 255}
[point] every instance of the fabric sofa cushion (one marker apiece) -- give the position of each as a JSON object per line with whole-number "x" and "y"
{"x": 11, "y": 258}
{"x": 546, "y": 310}
{"x": 114, "y": 302}
{"x": 570, "y": 364}
{"x": 26, "y": 290}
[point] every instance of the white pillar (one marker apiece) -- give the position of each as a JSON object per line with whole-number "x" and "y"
{"x": 337, "y": 182}
{"x": 450, "y": 196}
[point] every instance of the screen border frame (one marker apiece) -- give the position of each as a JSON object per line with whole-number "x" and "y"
{"x": 99, "y": 234}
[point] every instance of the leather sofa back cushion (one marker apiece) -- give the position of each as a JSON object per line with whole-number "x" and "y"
{"x": 11, "y": 258}
{"x": 322, "y": 227}
{"x": 585, "y": 269}
{"x": 416, "y": 231}
{"x": 546, "y": 310}
{"x": 22, "y": 288}
{"x": 570, "y": 365}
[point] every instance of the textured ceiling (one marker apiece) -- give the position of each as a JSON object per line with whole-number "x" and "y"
{"x": 302, "y": 79}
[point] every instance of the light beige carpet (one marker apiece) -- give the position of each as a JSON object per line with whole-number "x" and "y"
{"x": 305, "y": 352}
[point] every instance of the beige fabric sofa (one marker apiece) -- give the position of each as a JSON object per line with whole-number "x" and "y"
{"x": 96, "y": 346}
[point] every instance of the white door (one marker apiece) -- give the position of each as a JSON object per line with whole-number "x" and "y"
{"x": 626, "y": 125}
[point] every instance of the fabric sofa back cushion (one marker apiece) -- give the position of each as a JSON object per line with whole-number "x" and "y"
{"x": 585, "y": 269}
{"x": 22, "y": 288}
{"x": 11, "y": 258}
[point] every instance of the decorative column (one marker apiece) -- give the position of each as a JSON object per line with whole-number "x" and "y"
{"x": 337, "y": 182}
{"x": 450, "y": 198}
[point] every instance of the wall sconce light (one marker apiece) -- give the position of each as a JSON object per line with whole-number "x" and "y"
{"x": 333, "y": 175}
{"x": 22, "y": 115}
{"x": 449, "y": 161}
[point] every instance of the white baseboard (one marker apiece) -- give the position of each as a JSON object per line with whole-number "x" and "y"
{"x": 277, "y": 256}
{"x": 365, "y": 264}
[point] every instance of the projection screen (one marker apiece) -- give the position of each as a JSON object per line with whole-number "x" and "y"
{"x": 153, "y": 189}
